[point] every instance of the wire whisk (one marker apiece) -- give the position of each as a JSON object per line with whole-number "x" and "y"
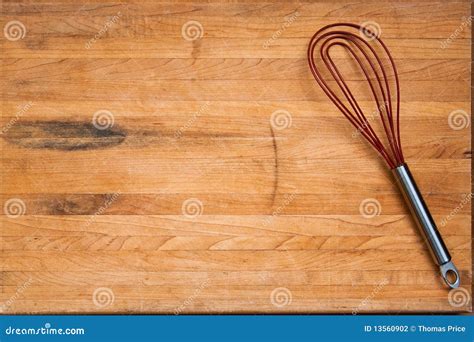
{"x": 374, "y": 62}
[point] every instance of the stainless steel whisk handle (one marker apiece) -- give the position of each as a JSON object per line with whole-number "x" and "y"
{"x": 426, "y": 224}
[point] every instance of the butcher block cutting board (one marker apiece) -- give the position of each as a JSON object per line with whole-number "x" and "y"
{"x": 179, "y": 158}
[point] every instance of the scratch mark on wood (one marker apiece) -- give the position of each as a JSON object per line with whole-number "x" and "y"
{"x": 275, "y": 182}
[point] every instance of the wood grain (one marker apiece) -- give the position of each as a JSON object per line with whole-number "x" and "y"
{"x": 103, "y": 213}
{"x": 211, "y": 69}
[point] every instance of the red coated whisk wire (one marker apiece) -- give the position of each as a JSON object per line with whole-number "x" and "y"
{"x": 375, "y": 74}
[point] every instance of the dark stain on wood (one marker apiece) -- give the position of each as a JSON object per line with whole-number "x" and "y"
{"x": 63, "y": 135}
{"x": 196, "y": 51}
{"x": 38, "y": 43}
{"x": 73, "y": 204}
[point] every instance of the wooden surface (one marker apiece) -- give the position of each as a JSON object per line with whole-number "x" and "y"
{"x": 280, "y": 225}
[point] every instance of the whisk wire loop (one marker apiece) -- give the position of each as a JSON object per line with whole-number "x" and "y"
{"x": 378, "y": 81}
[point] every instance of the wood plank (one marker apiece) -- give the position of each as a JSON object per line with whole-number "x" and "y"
{"x": 178, "y": 47}
{"x": 224, "y": 260}
{"x": 295, "y": 24}
{"x": 217, "y": 180}
{"x": 424, "y": 11}
{"x": 43, "y": 203}
{"x": 184, "y": 90}
{"x": 302, "y": 298}
{"x": 84, "y": 242}
{"x": 182, "y": 128}
{"x": 206, "y": 306}
{"x": 296, "y": 167}
{"x": 337, "y": 225}
{"x": 212, "y": 69}
{"x": 174, "y": 110}
{"x": 232, "y": 278}
{"x": 153, "y": 150}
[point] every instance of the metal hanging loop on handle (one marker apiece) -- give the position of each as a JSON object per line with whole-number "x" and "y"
{"x": 426, "y": 224}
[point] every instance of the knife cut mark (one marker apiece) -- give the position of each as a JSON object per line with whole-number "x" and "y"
{"x": 275, "y": 152}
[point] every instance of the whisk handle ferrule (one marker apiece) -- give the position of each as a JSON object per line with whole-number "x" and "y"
{"x": 426, "y": 224}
